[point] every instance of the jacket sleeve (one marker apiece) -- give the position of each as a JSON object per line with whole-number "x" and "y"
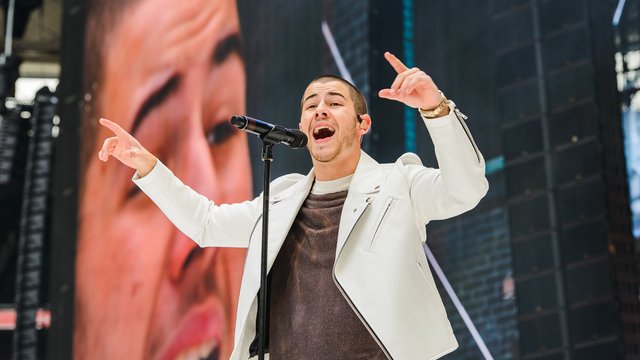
{"x": 208, "y": 224}
{"x": 459, "y": 183}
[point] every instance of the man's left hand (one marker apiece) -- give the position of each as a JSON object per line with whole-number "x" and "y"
{"x": 413, "y": 87}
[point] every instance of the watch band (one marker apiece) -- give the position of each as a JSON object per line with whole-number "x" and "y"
{"x": 434, "y": 113}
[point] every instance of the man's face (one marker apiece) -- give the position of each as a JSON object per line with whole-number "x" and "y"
{"x": 172, "y": 77}
{"x": 330, "y": 122}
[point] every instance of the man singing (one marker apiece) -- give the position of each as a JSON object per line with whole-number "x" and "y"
{"x": 349, "y": 278}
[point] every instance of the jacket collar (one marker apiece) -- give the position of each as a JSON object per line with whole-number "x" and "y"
{"x": 366, "y": 182}
{"x": 367, "y": 179}
{"x": 368, "y": 176}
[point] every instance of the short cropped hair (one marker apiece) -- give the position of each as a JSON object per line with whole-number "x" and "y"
{"x": 359, "y": 102}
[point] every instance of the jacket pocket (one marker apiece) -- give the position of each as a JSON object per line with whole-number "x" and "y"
{"x": 378, "y": 224}
{"x": 423, "y": 272}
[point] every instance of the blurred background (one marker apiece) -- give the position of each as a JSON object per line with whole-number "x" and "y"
{"x": 545, "y": 267}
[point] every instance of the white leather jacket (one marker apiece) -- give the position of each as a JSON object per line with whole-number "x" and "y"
{"x": 380, "y": 265}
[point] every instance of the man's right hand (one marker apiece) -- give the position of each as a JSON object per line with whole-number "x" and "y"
{"x": 127, "y": 149}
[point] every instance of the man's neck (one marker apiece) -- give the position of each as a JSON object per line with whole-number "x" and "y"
{"x": 332, "y": 170}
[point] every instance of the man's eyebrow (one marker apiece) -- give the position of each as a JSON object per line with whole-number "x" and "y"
{"x": 154, "y": 100}
{"x": 308, "y": 97}
{"x": 329, "y": 93}
{"x": 337, "y": 94}
{"x": 231, "y": 44}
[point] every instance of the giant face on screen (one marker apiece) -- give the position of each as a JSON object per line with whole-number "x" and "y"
{"x": 172, "y": 74}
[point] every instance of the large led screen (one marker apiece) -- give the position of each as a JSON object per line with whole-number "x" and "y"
{"x": 172, "y": 74}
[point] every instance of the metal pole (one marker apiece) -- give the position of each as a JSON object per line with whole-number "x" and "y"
{"x": 267, "y": 157}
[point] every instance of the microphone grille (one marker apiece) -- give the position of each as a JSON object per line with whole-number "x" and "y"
{"x": 239, "y": 121}
{"x": 300, "y": 139}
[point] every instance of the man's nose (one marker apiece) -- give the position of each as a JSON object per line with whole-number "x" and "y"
{"x": 195, "y": 167}
{"x": 321, "y": 110}
{"x": 194, "y": 160}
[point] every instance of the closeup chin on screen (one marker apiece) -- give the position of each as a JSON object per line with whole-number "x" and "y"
{"x": 172, "y": 74}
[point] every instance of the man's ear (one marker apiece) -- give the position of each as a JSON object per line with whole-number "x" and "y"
{"x": 365, "y": 123}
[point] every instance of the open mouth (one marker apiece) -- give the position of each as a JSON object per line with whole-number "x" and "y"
{"x": 197, "y": 336}
{"x": 323, "y": 132}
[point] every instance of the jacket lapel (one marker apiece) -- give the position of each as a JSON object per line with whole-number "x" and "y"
{"x": 283, "y": 209}
{"x": 365, "y": 184}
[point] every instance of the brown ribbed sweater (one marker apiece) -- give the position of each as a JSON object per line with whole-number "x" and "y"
{"x": 309, "y": 318}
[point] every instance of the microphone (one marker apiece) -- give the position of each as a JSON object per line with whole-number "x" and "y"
{"x": 269, "y": 132}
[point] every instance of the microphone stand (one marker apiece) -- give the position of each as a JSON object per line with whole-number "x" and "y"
{"x": 270, "y": 135}
{"x": 267, "y": 158}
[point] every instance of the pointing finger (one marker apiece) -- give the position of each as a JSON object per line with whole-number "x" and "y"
{"x": 397, "y": 65}
{"x": 113, "y": 127}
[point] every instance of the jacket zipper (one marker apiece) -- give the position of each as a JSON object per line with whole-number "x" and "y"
{"x": 384, "y": 214}
{"x": 348, "y": 300}
{"x": 364, "y": 322}
{"x": 461, "y": 116}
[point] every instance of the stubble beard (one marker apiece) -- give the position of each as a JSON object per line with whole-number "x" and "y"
{"x": 342, "y": 147}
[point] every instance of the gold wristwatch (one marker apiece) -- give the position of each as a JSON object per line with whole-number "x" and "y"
{"x": 434, "y": 113}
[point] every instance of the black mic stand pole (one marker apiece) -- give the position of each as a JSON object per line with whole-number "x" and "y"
{"x": 267, "y": 158}
{"x": 270, "y": 135}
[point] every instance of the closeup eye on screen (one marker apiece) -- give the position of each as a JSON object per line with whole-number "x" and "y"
{"x": 220, "y": 133}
